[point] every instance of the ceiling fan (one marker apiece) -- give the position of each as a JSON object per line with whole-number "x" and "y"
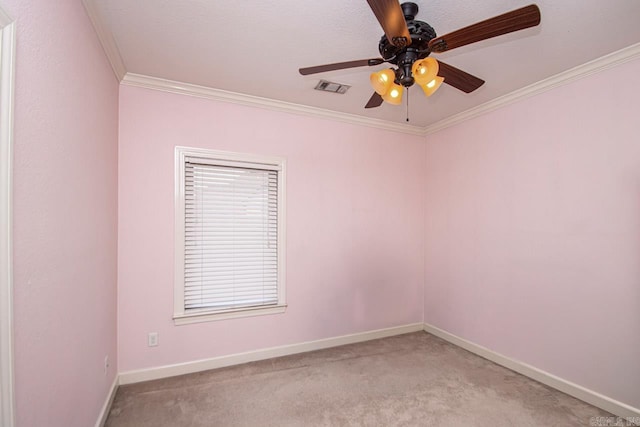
{"x": 407, "y": 44}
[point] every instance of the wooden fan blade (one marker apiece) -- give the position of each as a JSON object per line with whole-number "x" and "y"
{"x": 458, "y": 78}
{"x": 519, "y": 19}
{"x": 340, "y": 66}
{"x": 374, "y": 101}
{"x": 391, "y": 19}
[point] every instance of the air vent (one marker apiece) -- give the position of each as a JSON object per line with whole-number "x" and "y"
{"x": 331, "y": 87}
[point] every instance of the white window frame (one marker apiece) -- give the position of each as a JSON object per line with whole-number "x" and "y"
{"x": 224, "y": 158}
{"x": 7, "y": 71}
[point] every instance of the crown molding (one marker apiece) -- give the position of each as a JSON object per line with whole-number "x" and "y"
{"x": 597, "y": 65}
{"x": 592, "y": 67}
{"x": 188, "y": 89}
{"x": 106, "y": 39}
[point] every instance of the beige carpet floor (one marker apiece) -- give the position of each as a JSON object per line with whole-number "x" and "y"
{"x": 415, "y": 379}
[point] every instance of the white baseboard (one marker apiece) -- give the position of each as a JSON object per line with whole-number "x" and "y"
{"x": 104, "y": 413}
{"x": 252, "y": 356}
{"x": 596, "y": 399}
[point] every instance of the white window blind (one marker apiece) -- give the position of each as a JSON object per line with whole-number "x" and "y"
{"x": 230, "y": 236}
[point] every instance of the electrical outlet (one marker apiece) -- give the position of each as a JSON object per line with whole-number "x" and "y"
{"x": 153, "y": 339}
{"x": 106, "y": 364}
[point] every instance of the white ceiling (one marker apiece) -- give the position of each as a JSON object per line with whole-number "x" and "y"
{"x": 256, "y": 48}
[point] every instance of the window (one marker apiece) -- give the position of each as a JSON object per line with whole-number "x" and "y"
{"x": 229, "y": 235}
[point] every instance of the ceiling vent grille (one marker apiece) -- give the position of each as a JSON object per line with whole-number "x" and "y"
{"x": 327, "y": 86}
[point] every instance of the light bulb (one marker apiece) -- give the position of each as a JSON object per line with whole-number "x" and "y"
{"x": 425, "y": 70}
{"x": 432, "y": 86}
{"x": 394, "y": 95}
{"x": 382, "y": 80}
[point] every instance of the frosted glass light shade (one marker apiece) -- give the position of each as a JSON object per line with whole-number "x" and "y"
{"x": 425, "y": 70}
{"x": 432, "y": 86}
{"x": 382, "y": 80}
{"x": 394, "y": 95}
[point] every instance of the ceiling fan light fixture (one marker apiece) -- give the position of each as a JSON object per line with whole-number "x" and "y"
{"x": 425, "y": 70}
{"x": 406, "y": 40}
{"x": 382, "y": 81}
{"x": 394, "y": 95}
{"x": 432, "y": 86}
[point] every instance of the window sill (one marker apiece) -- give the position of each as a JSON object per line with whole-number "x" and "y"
{"x": 207, "y": 316}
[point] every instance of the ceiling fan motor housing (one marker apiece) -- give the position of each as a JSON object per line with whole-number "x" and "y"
{"x": 404, "y": 57}
{"x": 420, "y": 32}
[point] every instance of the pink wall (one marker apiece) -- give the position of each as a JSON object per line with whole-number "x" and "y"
{"x": 355, "y": 226}
{"x": 532, "y": 225}
{"x": 533, "y": 232}
{"x": 65, "y": 213}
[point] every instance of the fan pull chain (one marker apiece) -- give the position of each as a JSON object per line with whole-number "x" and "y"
{"x": 407, "y": 104}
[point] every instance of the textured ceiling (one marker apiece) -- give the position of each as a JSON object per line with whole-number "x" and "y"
{"x": 256, "y": 48}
